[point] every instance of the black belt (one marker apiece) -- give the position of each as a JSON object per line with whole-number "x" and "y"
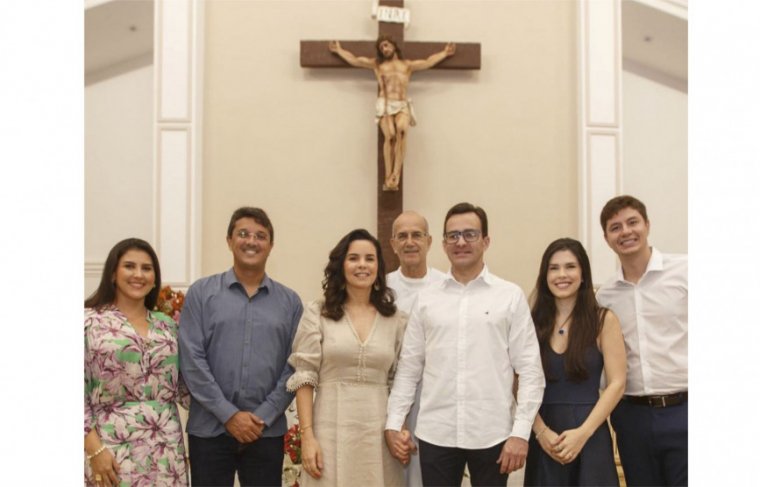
{"x": 659, "y": 401}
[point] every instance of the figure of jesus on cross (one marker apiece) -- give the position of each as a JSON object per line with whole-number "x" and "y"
{"x": 393, "y": 109}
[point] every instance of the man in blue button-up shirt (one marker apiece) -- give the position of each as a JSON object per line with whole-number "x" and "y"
{"x": 235, "y": 338}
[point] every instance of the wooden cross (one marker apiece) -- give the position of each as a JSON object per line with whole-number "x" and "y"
{"x": 316, "y": 54}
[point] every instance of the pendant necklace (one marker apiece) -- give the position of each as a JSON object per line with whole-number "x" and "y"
{"x": 561, "y": 330}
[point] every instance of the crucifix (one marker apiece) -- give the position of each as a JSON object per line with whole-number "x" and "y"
{"x": 327, "y": 54}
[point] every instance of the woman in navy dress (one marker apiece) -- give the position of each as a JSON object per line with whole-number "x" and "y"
{"x": 571, "y": 442}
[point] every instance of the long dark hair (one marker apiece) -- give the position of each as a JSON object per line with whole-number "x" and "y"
{"x": 587, "y": 315}
{"x": 334, "y": 283}
{"x": 106, "y": 292}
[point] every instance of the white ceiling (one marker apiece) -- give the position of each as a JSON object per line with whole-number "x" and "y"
{"x": 119, "y": 36}
{"x": 116, "y": 33}
{"x": 655, "y": 40}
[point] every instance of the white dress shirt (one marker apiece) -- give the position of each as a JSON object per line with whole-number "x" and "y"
{"x": 654, "y": 317}
{"x": 405, "y": 289}
{"x": 466, "y": 342}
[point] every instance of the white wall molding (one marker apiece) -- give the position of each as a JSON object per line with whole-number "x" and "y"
{"x": 93, "y": 269}
{"x": 600, "y": 136}
{"x": 177, "y": 146}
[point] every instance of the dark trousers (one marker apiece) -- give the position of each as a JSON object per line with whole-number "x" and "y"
{"x": 653, "y": 443}
{"x": 444, "y": 466}
{"x": 214, "y": 461}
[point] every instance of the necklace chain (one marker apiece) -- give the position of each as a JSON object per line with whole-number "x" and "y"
{"x": 561, "y": 330}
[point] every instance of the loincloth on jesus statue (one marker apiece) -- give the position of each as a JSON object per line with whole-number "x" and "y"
{"x": 391, "y": 107}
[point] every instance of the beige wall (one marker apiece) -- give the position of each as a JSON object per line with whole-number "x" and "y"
{"x": 655, "y": 157}
{"x": 118, "y": 163}
{"x": 301, "y": 143}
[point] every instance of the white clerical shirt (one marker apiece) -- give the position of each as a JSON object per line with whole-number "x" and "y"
{"x": 654, "y": 317}
{"x": 466, "y": 342}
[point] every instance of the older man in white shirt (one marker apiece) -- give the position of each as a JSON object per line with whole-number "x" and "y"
{"x": 650, "y": 296}
{"x": 467, "y": 337}
{"x": 411, "y": 242}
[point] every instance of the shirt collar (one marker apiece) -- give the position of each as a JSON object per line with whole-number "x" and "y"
{"x": 403, "y": 278}
{"x": 654, "y": 264}
{"x": 230, "y": 279}
{"x": 484, "y": 276}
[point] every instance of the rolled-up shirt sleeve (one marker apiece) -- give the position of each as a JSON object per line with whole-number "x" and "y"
{"x": 525, "y": 357}
{"x": 194, "y": 364}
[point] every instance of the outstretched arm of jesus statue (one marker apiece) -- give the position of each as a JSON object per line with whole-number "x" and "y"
{"x": 348, "y": 56}
{"x": 433, "y": 59}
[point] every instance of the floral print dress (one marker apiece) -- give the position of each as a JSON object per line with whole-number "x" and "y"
{"x": 132, "y": 387}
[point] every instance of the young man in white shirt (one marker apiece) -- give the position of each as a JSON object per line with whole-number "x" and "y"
{"x": 411, "y": 242}
{"x": 467, "y": 337}
{"x": 650, "y": 296}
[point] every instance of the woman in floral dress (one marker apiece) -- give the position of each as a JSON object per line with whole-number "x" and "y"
{"x": 132, "y": 429}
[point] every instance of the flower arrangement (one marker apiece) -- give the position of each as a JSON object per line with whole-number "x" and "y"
{"x": 291, "y": 470}
{"x": 170, "y": 302}
{"x": 293, "y": 444}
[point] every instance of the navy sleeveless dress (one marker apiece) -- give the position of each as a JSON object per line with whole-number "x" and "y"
{"x": 566, "y": 405}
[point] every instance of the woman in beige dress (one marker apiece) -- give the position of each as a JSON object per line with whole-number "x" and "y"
{"x": 345, "y": 350}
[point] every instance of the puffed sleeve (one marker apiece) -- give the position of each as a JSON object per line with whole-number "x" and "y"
{"x": 401, "y": 319}
{"x": 306, "y": 358}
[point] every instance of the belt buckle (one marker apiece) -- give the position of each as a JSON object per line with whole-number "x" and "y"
{"x": 657, "y": 402}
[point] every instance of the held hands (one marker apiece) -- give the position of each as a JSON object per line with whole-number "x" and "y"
{"x": 513, "y": 455}
{"x": 105, "y": 468}
{"x": 245, "y": 426}
{"x": 400, "y": 444}
{"x": 450, "y": 49}
{"x": 546, "y": 439}
{"x": 569, "y": 444}
{"x": 311, "y": 455}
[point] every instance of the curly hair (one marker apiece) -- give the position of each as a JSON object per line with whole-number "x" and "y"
{"x": 334, "y": 283}
{"x": 587, "y": 315}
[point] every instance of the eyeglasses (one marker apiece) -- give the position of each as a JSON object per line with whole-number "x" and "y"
{"x": 415, "y": 236}
{"x": 468, "y": 235}
{"x": 259, "y": 236}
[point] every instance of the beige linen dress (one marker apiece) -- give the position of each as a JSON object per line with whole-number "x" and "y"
{"x": 352, "y": 381}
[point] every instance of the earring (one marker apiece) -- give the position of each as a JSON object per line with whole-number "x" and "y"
{"x": 376, "y": 286}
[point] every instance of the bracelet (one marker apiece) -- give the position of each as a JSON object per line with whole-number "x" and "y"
{"x": 97, "y": 452}
{"x": 304, "y": 428}
{"x": 542, "y": 432}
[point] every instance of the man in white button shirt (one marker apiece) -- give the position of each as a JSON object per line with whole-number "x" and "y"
{"x": 650, "y": 296}
{"x": 467, "y": 337}
{"x": 411, "y": 242}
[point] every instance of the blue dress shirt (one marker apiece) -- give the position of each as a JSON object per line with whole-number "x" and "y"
{"x": 233, "y": 352}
